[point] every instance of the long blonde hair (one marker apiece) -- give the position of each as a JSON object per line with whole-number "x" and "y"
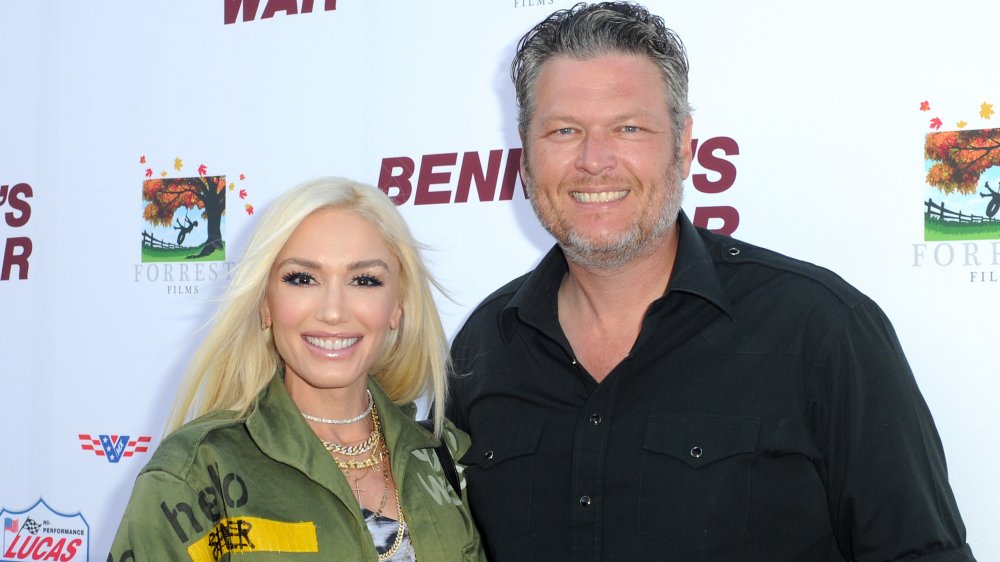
{"x": 237, "y": 358}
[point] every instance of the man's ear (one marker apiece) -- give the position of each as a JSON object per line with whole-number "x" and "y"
{"x": 687, "y": 155}
{"x": 525, "y": 176}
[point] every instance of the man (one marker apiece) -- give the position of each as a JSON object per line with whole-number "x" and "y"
{"x": 653, "y": 391}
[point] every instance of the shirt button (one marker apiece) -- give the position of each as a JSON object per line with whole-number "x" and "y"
{"x": 488, "y": 455}
{"x": 585, "y": 501}
{"x": 595, "y": 419}
{"x": 696, "y": 452}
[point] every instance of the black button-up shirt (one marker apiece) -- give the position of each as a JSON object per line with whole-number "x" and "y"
{"x": 765, "y": 412}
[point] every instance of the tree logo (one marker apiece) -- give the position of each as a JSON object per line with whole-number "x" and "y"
{"x": 184, "y": 216}
{"x": 963, "y": 181}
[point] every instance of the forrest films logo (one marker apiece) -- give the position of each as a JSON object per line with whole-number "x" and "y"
{"x": 960, "y": 166}
{"x": 184, "y": 220}
{"x": 962, "y": 198}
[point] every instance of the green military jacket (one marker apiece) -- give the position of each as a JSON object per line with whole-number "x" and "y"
{"x": 264, "y": 487}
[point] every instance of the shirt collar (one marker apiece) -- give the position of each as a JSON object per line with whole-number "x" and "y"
{"x": 535, "y": 301}
{"x": 695, "y": 271}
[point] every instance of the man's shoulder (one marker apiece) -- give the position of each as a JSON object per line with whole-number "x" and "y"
{"x": 491, "y": 306}
{"x": 744, "y": 263}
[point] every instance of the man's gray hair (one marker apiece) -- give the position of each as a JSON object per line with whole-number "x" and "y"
{"x": 589, "y": 31}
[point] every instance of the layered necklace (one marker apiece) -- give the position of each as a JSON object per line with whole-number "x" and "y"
{"x": 335, "y": 421}
{"x": 368, "y": 455}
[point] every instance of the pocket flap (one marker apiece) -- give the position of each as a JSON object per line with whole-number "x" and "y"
{"x": 503, "y": 439}
{"x": 700, "y": 439}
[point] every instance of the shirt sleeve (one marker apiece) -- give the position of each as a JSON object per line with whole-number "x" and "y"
{"x": 458, "y": 381}
{"x": 157, "y": 524}
{"x": 887, "y": 481}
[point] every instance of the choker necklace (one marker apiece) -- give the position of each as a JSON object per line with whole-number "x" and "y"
{"x": 335, "y": 421}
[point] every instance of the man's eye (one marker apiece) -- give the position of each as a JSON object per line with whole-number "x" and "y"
{"x": 297, "y": 278}
{"x": 630, "y": 129}
{"x": 367, "y": 280}
{"x": 565, "y": 131}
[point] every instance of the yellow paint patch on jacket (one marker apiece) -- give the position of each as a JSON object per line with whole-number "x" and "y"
{"x": 254, "y": 534}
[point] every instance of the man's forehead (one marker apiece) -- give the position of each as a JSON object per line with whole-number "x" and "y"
{"x": 612, "y": 85}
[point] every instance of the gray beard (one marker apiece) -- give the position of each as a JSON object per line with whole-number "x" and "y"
{"x": 629, "y": 246}
{"x": 624, "y": 249}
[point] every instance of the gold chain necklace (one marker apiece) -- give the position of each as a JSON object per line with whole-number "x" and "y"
{"x": 400, "y": 531}
{"x": 353, "y": 450}
{"x": 379, "y": 456}
{"x": 401, "y": 523}
{"x": 373, "y": 460}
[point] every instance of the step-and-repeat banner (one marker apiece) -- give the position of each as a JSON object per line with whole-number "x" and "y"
{"x": 861, "y": 136}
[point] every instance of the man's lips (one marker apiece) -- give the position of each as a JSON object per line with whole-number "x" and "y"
{"x": 598, "y": 197}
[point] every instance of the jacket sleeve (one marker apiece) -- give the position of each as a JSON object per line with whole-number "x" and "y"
{"x": 458, "y": 443}
{"x": 883, "y": 462}
{"x": 162, "y": 519}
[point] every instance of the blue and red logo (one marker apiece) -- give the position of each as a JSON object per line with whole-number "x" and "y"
{"x": 115, "y": 447}
{"x": 41, "y": 533}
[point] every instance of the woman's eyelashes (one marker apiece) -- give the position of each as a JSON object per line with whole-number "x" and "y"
{"x": 367, "y": 280}
{"x": 300, "y": 278}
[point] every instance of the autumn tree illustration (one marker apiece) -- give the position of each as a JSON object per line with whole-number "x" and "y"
{"x": 960, "y": 158}
{"x": 164, "y": 196}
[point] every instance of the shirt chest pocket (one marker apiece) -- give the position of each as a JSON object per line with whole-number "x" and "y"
{"x": 498, "y": 471}
{"x": 695, "y": 477}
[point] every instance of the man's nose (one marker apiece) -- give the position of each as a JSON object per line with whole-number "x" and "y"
{"x": 597, "y": 153}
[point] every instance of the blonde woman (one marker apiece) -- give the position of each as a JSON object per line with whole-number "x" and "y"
{"x": 304, "y": 444}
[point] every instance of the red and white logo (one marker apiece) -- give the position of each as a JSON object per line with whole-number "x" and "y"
{"x": 114, "y": 447}
{"x": 41, "y": 533}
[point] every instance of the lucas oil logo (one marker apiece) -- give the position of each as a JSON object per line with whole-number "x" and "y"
{"x": 41, "y": 533}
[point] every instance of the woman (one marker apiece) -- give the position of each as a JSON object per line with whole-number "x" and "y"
{"x": 305, "y": 446}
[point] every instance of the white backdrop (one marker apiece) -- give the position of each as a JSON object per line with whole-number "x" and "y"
{"x": 823, "y": 103}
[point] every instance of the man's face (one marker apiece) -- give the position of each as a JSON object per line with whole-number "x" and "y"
{"x": 599, "y": 158}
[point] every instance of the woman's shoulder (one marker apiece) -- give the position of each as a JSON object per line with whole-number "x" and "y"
{"x": 178, "y": 450}
{"x": 457, "y": 440}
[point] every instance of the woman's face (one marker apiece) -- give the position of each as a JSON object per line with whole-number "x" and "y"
{"x": 332, "y": 297}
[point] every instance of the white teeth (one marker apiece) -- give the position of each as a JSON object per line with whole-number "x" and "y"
{"x": 332, "y": 344}
{"x": 602, "y": 197}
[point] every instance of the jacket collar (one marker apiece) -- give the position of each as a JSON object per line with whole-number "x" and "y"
{"x": 276, "y": 425}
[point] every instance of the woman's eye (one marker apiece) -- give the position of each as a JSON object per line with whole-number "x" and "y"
{"x": 367, "y": 280}
{"x": 297, "y": 279}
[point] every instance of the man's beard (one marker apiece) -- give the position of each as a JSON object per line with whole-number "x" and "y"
{"x": 618, "y": 249}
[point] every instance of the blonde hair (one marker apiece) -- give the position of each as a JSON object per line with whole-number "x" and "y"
{"x": 238, "y": 358}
